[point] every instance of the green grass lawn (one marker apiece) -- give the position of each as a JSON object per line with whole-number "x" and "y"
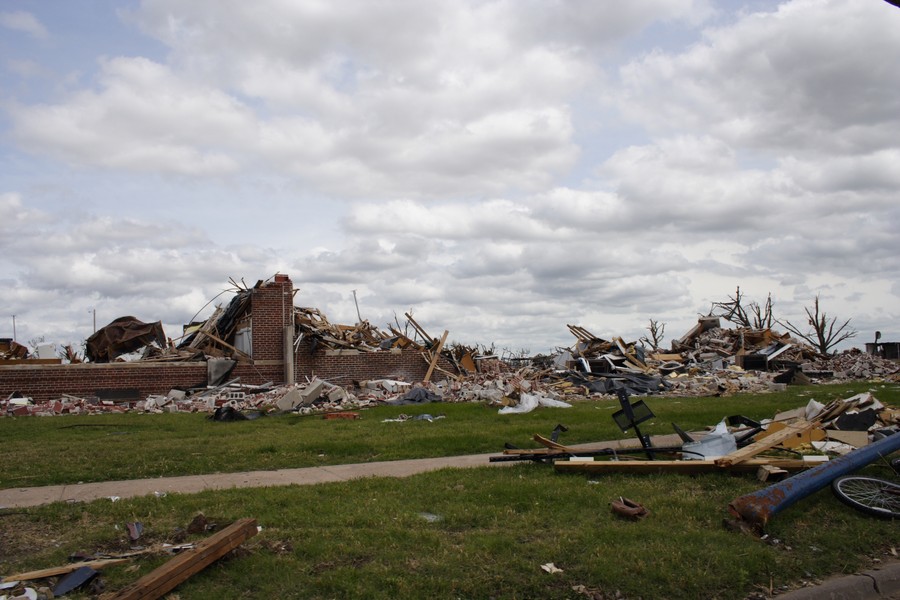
{"x": 472, "y": 533}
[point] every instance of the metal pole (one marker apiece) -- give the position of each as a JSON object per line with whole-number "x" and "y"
{"x": 758, "y": 507}
{"x": 14, "y": 327}
{"x": 358, "y": 316}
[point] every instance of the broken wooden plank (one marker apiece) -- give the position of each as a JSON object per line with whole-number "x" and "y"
{"x": 750, "y": 465}
{"x": 226, "y": 344}
{"x": 793, "y": 430}
{"x": 64, "y": 569}
{"x": 550, "y": 444}
{"x": 629, "y": 356}
{"x": 770, "y": 473}
{"x": 666, "y": 357}
{"x": 428, "y": 360}
{"x": 159, "y": 582}
{"x": 437, "y": 355}
{"x": 419, "y": 329}
{"x": 806, "y": 437}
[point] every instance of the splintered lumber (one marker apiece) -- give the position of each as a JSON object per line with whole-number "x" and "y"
{"x": 582, "y": 334}
{"x": 426, "y": 357}
{"x": 630, "y": 356}
{"x": 436, "y": 356}
{"x": 63, "y": 570}
{"x": 190, "y": 562}
{"x": 226, "y": 344}
{"x": 750, "y": 465}
{"x": 419, "y": 329}
{"x": 207, "y": 327}
{"x": 770, "y": 441}
{"x": 550, "y": 444}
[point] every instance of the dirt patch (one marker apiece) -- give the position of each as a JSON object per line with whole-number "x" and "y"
{"x": 21, "y": 538}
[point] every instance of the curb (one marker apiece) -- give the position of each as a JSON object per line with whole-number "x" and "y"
{"x": 883, "y": 582}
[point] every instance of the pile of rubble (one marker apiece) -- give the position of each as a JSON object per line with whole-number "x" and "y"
{"x": 312, "y": 323}
{"x": 708, "y": 360}
{"x": 11, "y": 350}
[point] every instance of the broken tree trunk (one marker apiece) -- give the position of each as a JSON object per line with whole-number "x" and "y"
{"x": 187, "y": 564}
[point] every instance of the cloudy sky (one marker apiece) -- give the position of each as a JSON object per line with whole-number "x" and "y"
{"x": 501, "y": 167}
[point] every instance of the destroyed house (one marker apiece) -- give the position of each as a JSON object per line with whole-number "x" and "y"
{"x": 259, "y": 337}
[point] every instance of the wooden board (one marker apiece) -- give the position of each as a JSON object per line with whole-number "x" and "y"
{"x": 159, "y": 582}
{"x": 857, "y": 439}
{"x": 63, "y": 570}
{"x": 766, "y": 443}
{"x": 548, "y": 443}
{"x": 436, "y": 355}
{"x": 750, "y": 465}
{"x": 806, "y": 437}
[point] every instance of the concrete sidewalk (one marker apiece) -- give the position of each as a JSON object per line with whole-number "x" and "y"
{"x": 882, "y": 583}
{"x": 191, "y": 484}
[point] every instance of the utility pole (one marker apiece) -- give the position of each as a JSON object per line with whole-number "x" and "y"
{"x": 359, "y": 316}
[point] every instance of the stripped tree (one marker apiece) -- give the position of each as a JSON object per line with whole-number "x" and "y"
{"x": 823, "y": 334}
{"x": 657, "y": 331}
{"x": 758, "y": 317}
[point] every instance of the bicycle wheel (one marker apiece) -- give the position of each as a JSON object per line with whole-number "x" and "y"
{"x": 870, "y": 495}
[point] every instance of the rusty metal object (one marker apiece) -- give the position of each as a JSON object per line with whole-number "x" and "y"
{"x": 758, "y": 507}
{"x": 628, "y": 509}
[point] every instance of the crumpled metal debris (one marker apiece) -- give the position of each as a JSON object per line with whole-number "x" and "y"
{"x": 121, "y": 336}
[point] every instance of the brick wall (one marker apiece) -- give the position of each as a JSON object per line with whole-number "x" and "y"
{"x": 343, "y": 367}
{"x": 271, "y": 309}
{"x": 49, "y": 382}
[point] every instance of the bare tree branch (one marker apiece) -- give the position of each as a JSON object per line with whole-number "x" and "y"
{"x": 823, "y": 335}
{"x": 762, "y": 316}
{"x": 656, "y": 330}
{"x": 731, "y": 311}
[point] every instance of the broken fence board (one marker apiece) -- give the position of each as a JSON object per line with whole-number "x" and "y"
{"x": 768, "y": 442}
{"x": 159, "y": 582}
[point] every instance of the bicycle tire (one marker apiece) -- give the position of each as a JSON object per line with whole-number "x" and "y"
{"x": 873, "y": 496}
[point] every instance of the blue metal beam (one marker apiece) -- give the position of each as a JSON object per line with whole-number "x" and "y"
{"x": 758, "y": 507}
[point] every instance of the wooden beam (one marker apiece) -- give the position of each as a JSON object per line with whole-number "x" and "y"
{"x": 418, "y": 328}
{"x": 766, "y": 443}
{"x": 750, "y": 465}
{"x": 436, "y": 368}
{"x": 224, "y": 343}
{"x": 437, "y": 355}
{"x": 159, "y": 582}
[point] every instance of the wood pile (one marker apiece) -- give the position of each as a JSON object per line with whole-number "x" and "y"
{"x": 363, "y": 336}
